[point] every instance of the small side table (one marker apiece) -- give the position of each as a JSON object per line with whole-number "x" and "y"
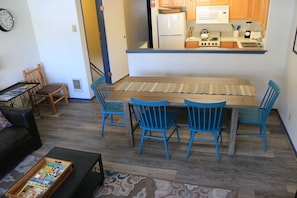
{"x": 17, "y": 90}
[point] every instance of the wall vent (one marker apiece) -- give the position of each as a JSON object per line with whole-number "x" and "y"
{"x": 77, "y": 85}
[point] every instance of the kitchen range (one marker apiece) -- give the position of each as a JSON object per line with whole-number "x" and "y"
{"x": 211, "y": 39}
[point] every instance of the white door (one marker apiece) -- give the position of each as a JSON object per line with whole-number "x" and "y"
{"x": 115, "y": 28}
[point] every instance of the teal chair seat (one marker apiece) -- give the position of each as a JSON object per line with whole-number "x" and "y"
{"x": 259, "y": 115}
{"x": 155, "y": 121}
{"x": 115, "y": 107}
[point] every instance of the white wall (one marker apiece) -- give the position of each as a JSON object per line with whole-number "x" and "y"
{"x": 287, "y": 103}
{"x": 92, "y": 33}
{"x": 62, "y": 51}
{"x": 18, "y": 48}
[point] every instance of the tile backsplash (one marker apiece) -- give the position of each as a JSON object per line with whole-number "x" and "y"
{"x": 225, "y": 29}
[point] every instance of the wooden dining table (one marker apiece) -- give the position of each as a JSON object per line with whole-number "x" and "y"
{"x": 237, "y": 92}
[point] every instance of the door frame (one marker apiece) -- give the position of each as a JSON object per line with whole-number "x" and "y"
{"x": 104, "y": 49}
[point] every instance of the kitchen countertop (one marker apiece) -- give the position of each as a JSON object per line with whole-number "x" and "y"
{"x": 198, "y": 50}
{"x": 227, "y": 39}
{"x": 214, "y": 50}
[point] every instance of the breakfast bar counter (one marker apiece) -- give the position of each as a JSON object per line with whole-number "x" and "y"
{"x": 198, "y": 50}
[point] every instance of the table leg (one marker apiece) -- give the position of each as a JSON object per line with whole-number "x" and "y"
{"x": 233, "y": 129}
{"x": 129, "y": 129}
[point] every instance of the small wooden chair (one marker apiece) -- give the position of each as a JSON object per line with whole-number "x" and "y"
{"x": 51, "y": 93}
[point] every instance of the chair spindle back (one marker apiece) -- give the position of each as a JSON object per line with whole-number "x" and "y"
{"x": 152, "y": 114}
{"x": 269, "y": 99}
{"x": 205, "y": 116}
{"x": 101, "y": 91}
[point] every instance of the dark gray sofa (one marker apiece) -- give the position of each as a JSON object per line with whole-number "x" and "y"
{"x": 19, "y": 140}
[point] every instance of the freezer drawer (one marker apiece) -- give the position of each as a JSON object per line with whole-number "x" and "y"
{"x": 172, "y": 42}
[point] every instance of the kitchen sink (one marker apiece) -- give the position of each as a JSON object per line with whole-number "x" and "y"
{"x": 251, "y": 44}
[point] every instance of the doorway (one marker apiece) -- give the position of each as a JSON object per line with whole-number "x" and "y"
{"x": 111, "y": 22}
{"x": 96, "y": 39}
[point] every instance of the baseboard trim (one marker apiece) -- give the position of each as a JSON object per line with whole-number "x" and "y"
{"x": 287, "y": 134}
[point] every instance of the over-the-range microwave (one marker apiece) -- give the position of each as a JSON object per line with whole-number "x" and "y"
{"x": 212, "y": 14}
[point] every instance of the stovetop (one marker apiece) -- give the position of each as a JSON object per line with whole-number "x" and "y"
{"x": 213, "y": 40}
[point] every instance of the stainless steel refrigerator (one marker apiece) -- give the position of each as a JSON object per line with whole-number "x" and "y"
{"x": 172, "y": 30}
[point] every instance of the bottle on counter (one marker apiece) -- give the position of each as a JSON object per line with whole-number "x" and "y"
{"x": 247, "y": 33}
{"x": 235, "y": 33}
{"x": 190, "y": 32}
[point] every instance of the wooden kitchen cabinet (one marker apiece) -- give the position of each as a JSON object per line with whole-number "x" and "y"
{"x": 172, "y": 3}
{"x": 240, "y": 9}
{"x": 191, "y": 9}
{"x": 179, "y": 3}
{"x": 203, "y": 2}
{"x": 260, "y": 12}
{"x": 191, "y": 44}
{"x": 220, "y": 2}
{"x": 228, "y": 44}
{"x": 211, "y": 2}
{"x": 250, "y": 9}
{"x": 165, "y": 3}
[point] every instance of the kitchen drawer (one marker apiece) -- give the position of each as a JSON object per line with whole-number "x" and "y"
{"x": 192, "y": 44}
{"x": 228, "y": 44}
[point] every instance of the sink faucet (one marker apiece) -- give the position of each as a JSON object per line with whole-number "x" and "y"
{"x": 260, "y": 42}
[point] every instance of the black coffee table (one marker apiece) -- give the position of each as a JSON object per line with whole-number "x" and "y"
{"x": 83, "y": 180}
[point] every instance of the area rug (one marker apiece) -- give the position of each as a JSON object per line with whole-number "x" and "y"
{"x": 127, "y": 185}
{"x": 22, "y": 168}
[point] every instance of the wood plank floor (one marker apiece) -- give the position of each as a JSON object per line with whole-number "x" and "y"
{"x": 252, "y": 172}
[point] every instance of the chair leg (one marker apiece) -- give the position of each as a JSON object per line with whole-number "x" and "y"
{"x": 65, "y": 94}
{"x": 190, "y": 143}
{"x": 52, "y": 103}
{"x": 263, "y": 131}
{"x": 103, "y": 124}
{"x": 220, "y": 138}
{"x": 141, "y": 141}
{"x": 217, "y": 146}
{"x": 177, "y": 133}
{"x": 165, "y": 144}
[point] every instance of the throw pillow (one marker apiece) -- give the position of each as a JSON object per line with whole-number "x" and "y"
{"x": 4, "y": 123}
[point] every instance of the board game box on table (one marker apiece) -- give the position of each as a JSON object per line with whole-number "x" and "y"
{"x": 42, "y": 180}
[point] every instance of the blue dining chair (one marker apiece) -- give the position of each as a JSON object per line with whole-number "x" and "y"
{"x": 259, "y": 115}
{"x": 205, "y": 118}
{"x": 108, "y": 109}
{"x": 155, "y": 119}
